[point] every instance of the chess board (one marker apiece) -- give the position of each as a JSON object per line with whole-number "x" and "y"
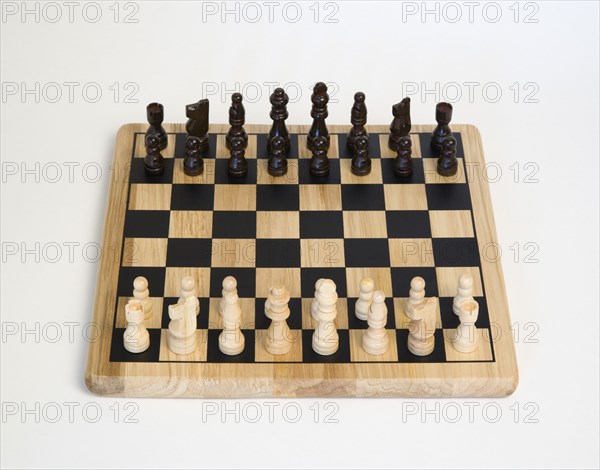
{"x": 293, "y": 230}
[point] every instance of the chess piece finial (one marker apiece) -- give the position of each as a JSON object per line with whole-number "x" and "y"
{"x": 319, "y": 99}
{"x": 277, "y": 165}
{"x": 401, "y": 124}
{"x": 154, "y": 163}
{"x": 197, "y": 124}
{"x": 466, "y": 339}
{"x": 443, "y": 116}
{"x": 375, "y": 339}
{"x": 279, "y": 100}
{"x": 447, "y": 164}
{"x": 319, "y": 163}
{"x": 358, "y": 118}
{"x": 155, "y": 114}
{"x": 403, "y": 165}
{"x": 237, "y": 119}
{"x": 141, "y": 293}
{"x": 238, "y": 165}
{"x": 361, "y": 162}
{"x": 193, "y": 164}
{"x": 365, "y": 297}
{"x": 278, "y": 339}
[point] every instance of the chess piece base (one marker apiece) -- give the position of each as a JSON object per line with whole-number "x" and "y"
{"x": 193, "y": 170}
{"x": 447, "y": 170}
{"x": 361, "y": 171}
{"x": 232, "y": 348}
{"x": 278, "y": 170}
{"x": 465, "y": 346}
{"x": 140, "y": 346}
{"x": 182, "y": 345}
{"x": 325, "y": 348}
{"x": 373, "y": 346}
{"x": 277, "y": 347}
{"x": 154, "y": 170}
{"x": 419, "y": 347}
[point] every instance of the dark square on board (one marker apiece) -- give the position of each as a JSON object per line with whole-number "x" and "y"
{"x": 444, "y": 197}
{"x": 245, "y": 277}
{"x": 234, "y": 224}
{"x": 363, "y": 197}
{"x": 305, "y": 177}
{"x": 192, "y": 197}
{"x": 189, "y": 252}
{"x": 154, "y": 275}
{"x": 321, "y": 224}
{"x": 401, "y": 278}
{"x": 277, "y": 197}
{"x": 372, "y": 252}
{"x": 408, "y": 224}
{"x": 309, "y": 277}
{"x": 147, "y": 224}
{"x": 138, "y": 173}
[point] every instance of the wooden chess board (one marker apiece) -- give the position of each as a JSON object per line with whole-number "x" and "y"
{"x": 294, "y": 230}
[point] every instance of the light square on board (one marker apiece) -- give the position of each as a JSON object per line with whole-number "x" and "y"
{"x": 402, "y": 320}
{"x": 365, "y": 224}
{"x": 482, "y": 353}
{"x": 207, "y": 176}
{"x": 215, "y": 321}
{"x": 432, "y": 176}
{"x": 233, "y": 253}
{"x": 140, "y": 146}
{"x": 190, "y": 224}
{"x": 269, "y": 277}
{"x": 341, "y": 320}
{"x": 199, "y": 354}
{"x": 411, "y": 252}
{"x": 150, "y": 197}
{"x": 294, "y": 355}
{"x": 386, "y": 152}
{"x": 381, "y": 276}
{"x": 374, "y": 177}
{"x": 320, "y": 197}
{"x": 223, "y": 151}
{"x": 235, "y": 197}
{"x": 145, "y": 252}
{"x": 451, "y": 224}
{"x": 263, "y": 176}
{"x": 277, "y": 224}
{"x": 174, "y": 276}
{"x": 405, "y": 197}
{"x": 358, "y": 354}
{"x": 153, "y": 322}
{"x": 322, "y": 253}
{"x": 448, "y": 280}
{"x": 304, "y": 152}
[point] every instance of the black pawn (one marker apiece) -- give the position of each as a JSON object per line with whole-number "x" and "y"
{"x": 238, "y": 165}
{"x": 193, "y": 164}
{"x": 277, "y": 160}
{"x": 443, "y": 116}
{"x": 358, "y": 118}
{"x": 361, "y": 162}
{"x": 447, "y": 164}
{"x": 279, "y": 100}
{"x": 237, "y": 119}
{"x": 400, "y": 125}
{"x": 403, "y": 165}
{"x": 154, "y": 163}
{"x": 319, "y": 163}
{"x": 319, "y": 113}
{"x": 155, "y": 113}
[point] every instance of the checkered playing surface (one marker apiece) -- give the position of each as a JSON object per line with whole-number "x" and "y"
{"x": 294, "y": 230}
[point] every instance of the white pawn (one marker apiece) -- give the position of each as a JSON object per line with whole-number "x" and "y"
{"x": 421, "y": 329}
{"x": 229, "y": 287}
{"x": 375, "y": 340}
{"x": 416, "y": 294}
{"x": 277, "y": 340}
{"x": 182, "y": 337}
{"x": 188, "y": 291}
{"x": 142, "y": 294}
{"x": 464, "y": 292}
{"x": 136, "y": 338}
{"x": 231, "y": 339}
{"x": 466, "y": 339}
{"x": 314, "y": 306}
{"x": 325, "y": 340}
{"x": 365, "y": 296}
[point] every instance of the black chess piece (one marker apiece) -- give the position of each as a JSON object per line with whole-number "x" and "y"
{"x": 443, "y": 116}
{"x": 193, "y": 164}
{"x": 155, "y": 114}
{"x": 279, "y": 100}
{"x": 361, "y": 162}
{"x": 400, "y": 125}
{"x": 319, "y": 99}
{"x": 238, "y": 165}
{"x": 237, "y": 118}
{"x": 277, "y": 159}
{"x": 154, "y": 163}
{"x": 403, "y": 165}
{"x": 358, "y": 118}
{"x": 197, "y": 124}
{"x": 447, "y": 164}
{"x": 319, "y": 163}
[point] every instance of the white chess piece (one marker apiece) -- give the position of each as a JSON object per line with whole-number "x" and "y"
{"x": 464, "y": 292}
{"x": 188, "y": 291}
{"x": 375, "y": 340}
{"x": 466, "y": 339}
{"x": 421, "y": 329}
{"x": 231, "y": 339}
{"x": 325, "y": 340}
{"x": 365, "y": 296}
{"x": 416, "y": 294}
{"x": 314, "y": 306}
{"x": 136, "y": 338}
{"x": 278, "y": 340}
{"x": 182, "y": 337}
{"x": 267, "y": 306}
{"x": 142, "y": 294}
{"x": 229, "y": 287}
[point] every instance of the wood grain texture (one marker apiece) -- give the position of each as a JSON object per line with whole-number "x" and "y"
{"x": 211, "y": 380}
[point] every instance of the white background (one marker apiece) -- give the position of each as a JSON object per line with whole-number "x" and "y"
{"x": 172, "y": 54}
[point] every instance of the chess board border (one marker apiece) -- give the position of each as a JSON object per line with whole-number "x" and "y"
{"x": 152, "y": 379}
